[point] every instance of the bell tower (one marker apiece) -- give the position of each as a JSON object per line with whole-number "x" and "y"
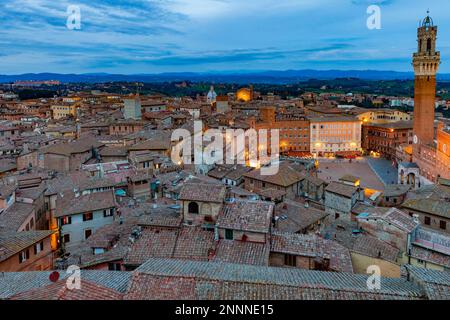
{"x": 426, "y": 63}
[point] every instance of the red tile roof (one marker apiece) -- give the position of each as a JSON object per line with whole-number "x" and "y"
{"x": 246, "y": 215}
{"x": 242, "y": 252}
{"x": 60, "y": 291}
{"x": 203, "y": 192}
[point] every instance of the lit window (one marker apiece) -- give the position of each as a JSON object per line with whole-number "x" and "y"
{"x": 88, "y": 216}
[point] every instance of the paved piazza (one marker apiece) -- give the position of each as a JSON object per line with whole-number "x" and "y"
{"x": 332, "y": 170}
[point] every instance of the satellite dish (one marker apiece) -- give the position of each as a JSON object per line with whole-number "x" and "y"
{"x": 415, "y": 139}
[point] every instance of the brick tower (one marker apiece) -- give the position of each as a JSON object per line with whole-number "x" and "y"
{"x": 426, "y": 63}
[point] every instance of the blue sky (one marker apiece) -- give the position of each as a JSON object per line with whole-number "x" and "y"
{"x": 153, "y": 36}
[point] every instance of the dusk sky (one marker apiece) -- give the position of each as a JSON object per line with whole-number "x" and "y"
{"x": 153, "y": 36}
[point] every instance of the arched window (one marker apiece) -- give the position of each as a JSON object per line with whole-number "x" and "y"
{"x": 429, "y": 45}
{"x": 193, "y": 208}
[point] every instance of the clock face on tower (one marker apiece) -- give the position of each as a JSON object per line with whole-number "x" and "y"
{"x": 415, "y": 139}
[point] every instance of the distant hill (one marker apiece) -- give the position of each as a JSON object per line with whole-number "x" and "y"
{"x": 275, "y": 77}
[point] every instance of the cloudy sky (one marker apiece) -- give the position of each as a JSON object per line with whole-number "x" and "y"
{"x": 153, "y": 36}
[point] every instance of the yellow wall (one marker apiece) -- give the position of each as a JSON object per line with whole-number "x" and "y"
{"x": 383, "y": 116}
{"x": 361, "y": 262}
{"x": 426, "y": 265}
{"x": 62, "y": 111}
{"x": 335, "y": 136}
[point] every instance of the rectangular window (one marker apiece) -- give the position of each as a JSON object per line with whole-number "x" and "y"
{"x": 443, "y": 225}
{"x": 87, "y": 233}
{"x": 114, "y": 267}
{"x": 290, "y": 260}
{"x": 38, "y": 247}
{"x": 108, "y": 212}
{"x": 24, "y": 256}
{"x": 66, "y": 238}
{"x": 88, "y": 216}
{"x": 229, "y": 234}
{"x": 66, "y": 220}
{"x": 427, "y": 221}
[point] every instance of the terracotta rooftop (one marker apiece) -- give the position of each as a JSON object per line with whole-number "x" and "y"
{"x": 158, "y": 142}
{"x": 349, "y": 178}
{"x": 287, "y": 175}
{"x": 7, "y": 190}
{"x": 153, "y": 242}
{"x": 334, "y": 119}
{"x": 60, "y": 291}
{"x": 395, "y": 190}
{"x": 68, "y": 204}
{"x": 162, "y": 216}
{"x": 435, "y": 283}
{"x": 341, "y": 189}
{"x": 361, "y": 243}
{"x": 14, "y": 242}
{"x": 314, "y": 247}
{"x": 246, "y": 215}
{"x": 77, "y": 146}
{"x": 183, "y": 279}
{"x": 433, "y": 206}
{"x": 14, "y": 283}
{"x": 242, "y": 252}
{"x": 393, "y": 216}
{"x": 12, "y": 218}
{"x": 271, "y": 193}
{"x": 203, "y": 192}
{"x": 194, "y": 244}
{"x": 295, "y": 217}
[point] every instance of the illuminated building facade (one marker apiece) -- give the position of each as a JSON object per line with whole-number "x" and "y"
{"x": 331, "y": 136}
{"x": 383, "y": 116}
{"x": 61, "y": 111}
{"x": 443, "y": 152}
{"x": 294, "y": 130}
{"x": 245, "y": 94}
{"x": 384, "y": 139}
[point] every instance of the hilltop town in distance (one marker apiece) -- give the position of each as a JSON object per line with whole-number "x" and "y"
{"x": 94, "y": 206}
